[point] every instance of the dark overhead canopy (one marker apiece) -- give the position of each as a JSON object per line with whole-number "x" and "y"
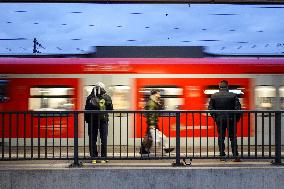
{"x": 156, "y": 1}
{"x": 149, "y": 52}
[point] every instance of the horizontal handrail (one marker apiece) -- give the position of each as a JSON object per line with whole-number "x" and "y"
{"x": 193, "y": 134}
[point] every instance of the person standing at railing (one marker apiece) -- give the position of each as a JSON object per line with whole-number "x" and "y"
{"x": 225, "y": 100}
{"x": 153, "y": 133}
{"x": 98, "y": 100}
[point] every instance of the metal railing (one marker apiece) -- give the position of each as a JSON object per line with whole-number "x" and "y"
{"x": 64, "y": 135}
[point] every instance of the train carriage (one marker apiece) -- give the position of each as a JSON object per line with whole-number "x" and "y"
{"x": 59, "y": 84}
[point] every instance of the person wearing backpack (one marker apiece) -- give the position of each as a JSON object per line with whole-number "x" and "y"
{"x": 153, "y": 133}
{"x": 225, "y": 100}
{"x": 98, "y": 100}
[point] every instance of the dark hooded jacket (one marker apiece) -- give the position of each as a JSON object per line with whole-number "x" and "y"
{"x": 92, "y": 103}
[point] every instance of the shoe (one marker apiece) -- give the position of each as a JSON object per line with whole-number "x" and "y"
{"x": 223, "y": 155}
{"x": 223, "y": 159}
{"x": 168, "y": 150}
{"x": 143, "y": 151}
{"x": 237, "y": 159}
{"x": 99, "y": 161}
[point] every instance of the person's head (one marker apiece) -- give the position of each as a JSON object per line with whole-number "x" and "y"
{"x": 156, "y": 93}
{"x": 223, "y": 84}
{"x": 99, "y": 89}
{"x": 100, "y": 85}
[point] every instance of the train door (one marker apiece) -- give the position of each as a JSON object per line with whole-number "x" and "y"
{"x": 171, "y": 99}
{"x": 266, "y": 97}
{"x": 119, "y": 88}
{"x": 119, "y": 124}
{"x": 194, "y": 94}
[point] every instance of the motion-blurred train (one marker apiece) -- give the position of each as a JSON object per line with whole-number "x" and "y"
{"x": 58, "y": 84}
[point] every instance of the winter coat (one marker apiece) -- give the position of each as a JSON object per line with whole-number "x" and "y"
{"x": 152, "y": 118}
{"x": 224, "y": 100}
{"x": 93, "y": 103}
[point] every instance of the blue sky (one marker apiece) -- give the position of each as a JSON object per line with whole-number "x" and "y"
{"x": 74, "y": 27}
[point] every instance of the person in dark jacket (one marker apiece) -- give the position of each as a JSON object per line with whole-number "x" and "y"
{"x": 225, "y": 100}
{"x": 98, "y": 100}
{"x": 153, "y": 132}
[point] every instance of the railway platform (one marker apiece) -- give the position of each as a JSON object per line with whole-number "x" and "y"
{"x": 141, "y": 174}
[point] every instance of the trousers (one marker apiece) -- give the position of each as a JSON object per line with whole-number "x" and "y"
{"x": 93, "y": 130}
{"x": 230, "y": 125}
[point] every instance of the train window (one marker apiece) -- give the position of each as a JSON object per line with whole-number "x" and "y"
{"x": 120, "y": 96}
{"x": 281, "y": 94}
{"x": 171, "y": 96}
{"x": 265, "y": 97}
{"x": 237, "y": 89}
{"x": 51, "y": 98}
{"x": 4, "y": 91}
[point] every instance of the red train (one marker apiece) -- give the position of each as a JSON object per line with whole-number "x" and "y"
{"x": 186, "y": 83}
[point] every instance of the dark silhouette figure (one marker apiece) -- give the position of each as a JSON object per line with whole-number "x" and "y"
{"x": 225, "y": 100}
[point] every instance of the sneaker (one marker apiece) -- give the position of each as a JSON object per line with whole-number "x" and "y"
{"x": 168, "y": 150}
{"x": 94, "y": 161}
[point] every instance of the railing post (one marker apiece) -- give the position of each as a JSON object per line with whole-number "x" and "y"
{"x": 178, "y": 163}
{"x": 76, "y": 153}
{"x": 277, "y": 138}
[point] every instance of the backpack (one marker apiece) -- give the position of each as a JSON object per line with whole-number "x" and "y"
{"x": 102, "y": 104}
{"x": 93, "y": 103}
{"x": 96, "y": 103}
